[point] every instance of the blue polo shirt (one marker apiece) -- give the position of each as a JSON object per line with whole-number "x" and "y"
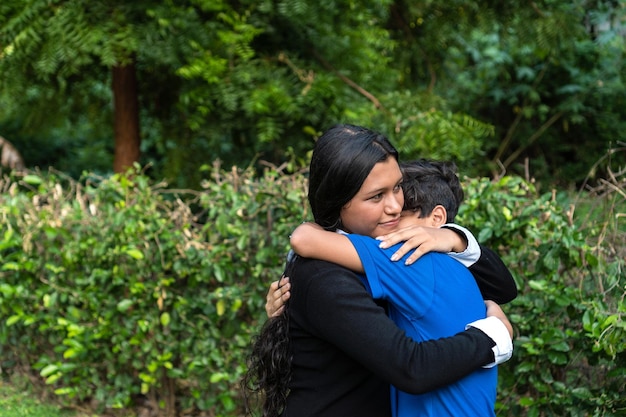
{"x": 434, "y": 297}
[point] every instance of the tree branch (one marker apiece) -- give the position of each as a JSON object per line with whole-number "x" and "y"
{"x": 511, "y": 130}
{"x": 352, "y": 84}
{"x": 533, "y": 138}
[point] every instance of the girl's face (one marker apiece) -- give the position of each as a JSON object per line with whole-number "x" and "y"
{"x": 376, "y": 207}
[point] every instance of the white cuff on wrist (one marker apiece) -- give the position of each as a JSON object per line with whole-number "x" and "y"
{"x": 472, "y": 253}
{"x": 497, "y": 331}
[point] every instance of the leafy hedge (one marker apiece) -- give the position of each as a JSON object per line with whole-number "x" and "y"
{"x": 121, "y": 291}
{"x": 115, "y": 291}
{"x": 570, "y": 347}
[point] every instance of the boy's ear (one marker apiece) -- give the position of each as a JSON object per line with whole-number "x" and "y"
{"x": 439, "y": 216}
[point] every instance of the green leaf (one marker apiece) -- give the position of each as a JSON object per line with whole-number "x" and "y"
{"x": 507, "y": 213}
{"x": 237, "y": 303}
{"x": 536, "y": 285}
{"x": 221, "y": 307}
{"x": 613, "y": 318}
{"x": 32, "y": 179}
{"x": 48, "y": 370}
{"x": 10, "y": 266}
{"x": 124, "y": 305}
{"x": 526, "y": 401}
{"x": 53, "y": 378}
{"x": 561, "y": 346}
{"x": 65, "y": 391}
{"x": 69, "y": 353}
{"x": 134, "y": 253}
{"x": 217, "y": 377}
{"x": 165, "y": 319}
{"x": 587, "y": 320}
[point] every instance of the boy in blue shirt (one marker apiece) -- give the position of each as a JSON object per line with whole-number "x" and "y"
{"x": 433, "y": 298}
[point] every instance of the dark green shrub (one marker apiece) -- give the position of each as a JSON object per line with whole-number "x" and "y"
{"x": 113, "y": 290}
{"x": 569, "y": 316}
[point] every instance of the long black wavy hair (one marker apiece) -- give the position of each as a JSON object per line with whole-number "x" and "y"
{"x": 269, "y": 364}
{"x": 342, "y": 159}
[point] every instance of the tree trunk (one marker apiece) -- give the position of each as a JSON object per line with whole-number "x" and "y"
{"x": 126, "y": 113}
{"x": 10, "y": 157}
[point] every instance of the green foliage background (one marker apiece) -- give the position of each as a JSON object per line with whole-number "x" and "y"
{"x": 500, "y": 87}
{"x": 120, "y": 291}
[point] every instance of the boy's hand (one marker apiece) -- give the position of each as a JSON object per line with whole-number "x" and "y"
{"x": 277, "y": 296}
{"x": 423, "y": 240}
{"x": 493, "y": 309}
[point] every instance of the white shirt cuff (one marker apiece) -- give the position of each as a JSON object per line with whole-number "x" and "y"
{"x": 472, "y": 253}
{"x": 497, "y": 331}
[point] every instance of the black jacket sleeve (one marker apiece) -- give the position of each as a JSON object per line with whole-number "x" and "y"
{"x": 493, "y": 277}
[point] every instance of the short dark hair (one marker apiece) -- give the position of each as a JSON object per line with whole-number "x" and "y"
{"x": 429, "y": 183}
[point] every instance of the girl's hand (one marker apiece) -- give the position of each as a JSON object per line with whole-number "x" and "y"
{"x": 277, "y": 296}
{"x": 423, "y": 240}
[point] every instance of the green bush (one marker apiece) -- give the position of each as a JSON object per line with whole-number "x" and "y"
{"x": 121, "y": 291}
{"x": 114, "y": 290}
{"x": 570, "y": 354}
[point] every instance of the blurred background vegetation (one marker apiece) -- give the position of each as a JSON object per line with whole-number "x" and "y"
{"x": 139, "y": 293}
{"x": 531, "y": 88}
